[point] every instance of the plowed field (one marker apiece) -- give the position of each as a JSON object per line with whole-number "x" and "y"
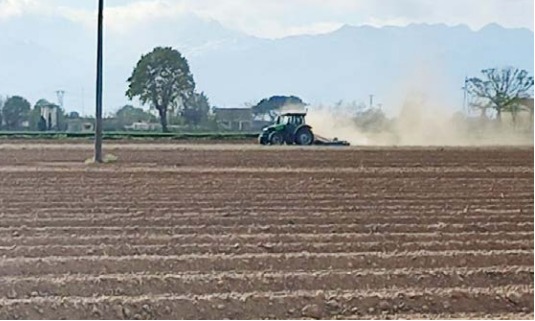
{"x": 230, "y": 231}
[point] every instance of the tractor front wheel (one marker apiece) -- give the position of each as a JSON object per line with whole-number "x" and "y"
{"x": 304, "y": 136}
{"x": 276, "y": 139}
{"x": 263, "y": 140}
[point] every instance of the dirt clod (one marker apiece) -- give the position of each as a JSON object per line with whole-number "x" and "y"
{"x": 312, "y": 311}
{"x": 167, "y": 310}
{"x": 95, "y": 311}
{"x": 384, "y": 306}
{"x": 12, "y": 294}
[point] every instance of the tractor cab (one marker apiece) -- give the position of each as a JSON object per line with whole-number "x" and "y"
{"x": 292, "y": 119}
{"x": 289, "y": 128}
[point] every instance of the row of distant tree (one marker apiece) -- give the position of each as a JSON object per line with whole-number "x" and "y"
{"x": 162, "y": 80}
{"x": 17, "y": 113}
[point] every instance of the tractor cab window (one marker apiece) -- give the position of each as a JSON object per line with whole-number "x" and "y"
{"x": 294, "y": 120}
{"x": 284, "y": 120}
{"x": 290, "y": 120}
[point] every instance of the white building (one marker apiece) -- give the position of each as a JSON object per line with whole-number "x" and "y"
{"x": 50, "y": 114}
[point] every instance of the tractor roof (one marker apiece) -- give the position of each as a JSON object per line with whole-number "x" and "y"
{"x": 294, "y": 114}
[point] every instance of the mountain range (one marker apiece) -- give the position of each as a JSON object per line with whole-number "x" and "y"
{"x": 40, "y": 55}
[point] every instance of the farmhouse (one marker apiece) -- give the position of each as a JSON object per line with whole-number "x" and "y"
{"x": 235, "y": 119}
{"x": 80, "y": 125}
{"x": 144, "y": 126}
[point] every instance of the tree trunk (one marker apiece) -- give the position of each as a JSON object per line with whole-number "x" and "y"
{"x": 483, "y": 114}
{"x": 514, "y": 114}
{"x": 163, "y": 118}
{"x": 531, "y": 119}
{"x": 499, "y": 115}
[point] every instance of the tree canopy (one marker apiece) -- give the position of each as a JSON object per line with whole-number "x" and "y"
{"x": 162, "y": 78}
{"x": 16, "y": 110}
{"x": 500, "y": 89}
{"x": 270, "y": 107}
{"x": 196, "y": 109}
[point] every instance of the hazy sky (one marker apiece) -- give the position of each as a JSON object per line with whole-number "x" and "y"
{"x": 278, "y": 18}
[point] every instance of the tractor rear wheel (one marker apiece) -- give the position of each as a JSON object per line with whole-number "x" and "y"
{"x": 276, "y": 138}
{"x": 304, "y": 136}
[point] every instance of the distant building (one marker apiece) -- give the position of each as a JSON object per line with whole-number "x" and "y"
{"x": 144, "y": 126}
{"x": 80, "y": 125}
{"x": 50, "y": 114}
{"x": 234, "y": 119}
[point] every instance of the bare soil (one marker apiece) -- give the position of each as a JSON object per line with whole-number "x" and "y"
{"x": 212, "y": 231}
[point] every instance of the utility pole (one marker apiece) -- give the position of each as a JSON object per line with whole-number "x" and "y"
{"x": 465, "y": 88}
{"x": 98, "y": 116}
{"x": 371, "y": 101}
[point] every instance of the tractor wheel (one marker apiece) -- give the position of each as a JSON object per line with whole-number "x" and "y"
{"x": 276, "y": 139}
{"x": 263, "y": 140}
{"x": 304, "y": 136}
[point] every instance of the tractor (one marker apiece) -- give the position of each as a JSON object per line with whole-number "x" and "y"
{"x": 289, "y": 128}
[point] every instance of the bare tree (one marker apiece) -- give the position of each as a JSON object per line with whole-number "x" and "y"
{"x": 501, "y": 89}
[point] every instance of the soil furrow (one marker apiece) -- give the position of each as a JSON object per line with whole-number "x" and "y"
{"x": 118, "y": 249}
{"x": 138, "y": 285}
{"x": 289, "y": 304}
{"x": 260, "y": 262}
{"x": 230, "y": 239}
{"x": 162, "y": 227}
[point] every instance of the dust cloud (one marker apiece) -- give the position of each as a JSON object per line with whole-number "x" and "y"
{"x": 417, "y": 125}
{"x": 418, "y": 121}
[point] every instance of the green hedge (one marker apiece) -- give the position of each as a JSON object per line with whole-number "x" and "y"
{"x": 125, "y": 135}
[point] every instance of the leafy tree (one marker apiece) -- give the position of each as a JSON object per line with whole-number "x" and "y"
{"x": 196, "y": 109}
{"x": 162, "y": 78}
{"x": 73, "y": 115}
{"x": 371, "y": 119}
{"x": 270, "y": 107}
{"x": 15, "y": 111}
{"x": 500, "y": 90}
{"x": 41, "y": 124}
